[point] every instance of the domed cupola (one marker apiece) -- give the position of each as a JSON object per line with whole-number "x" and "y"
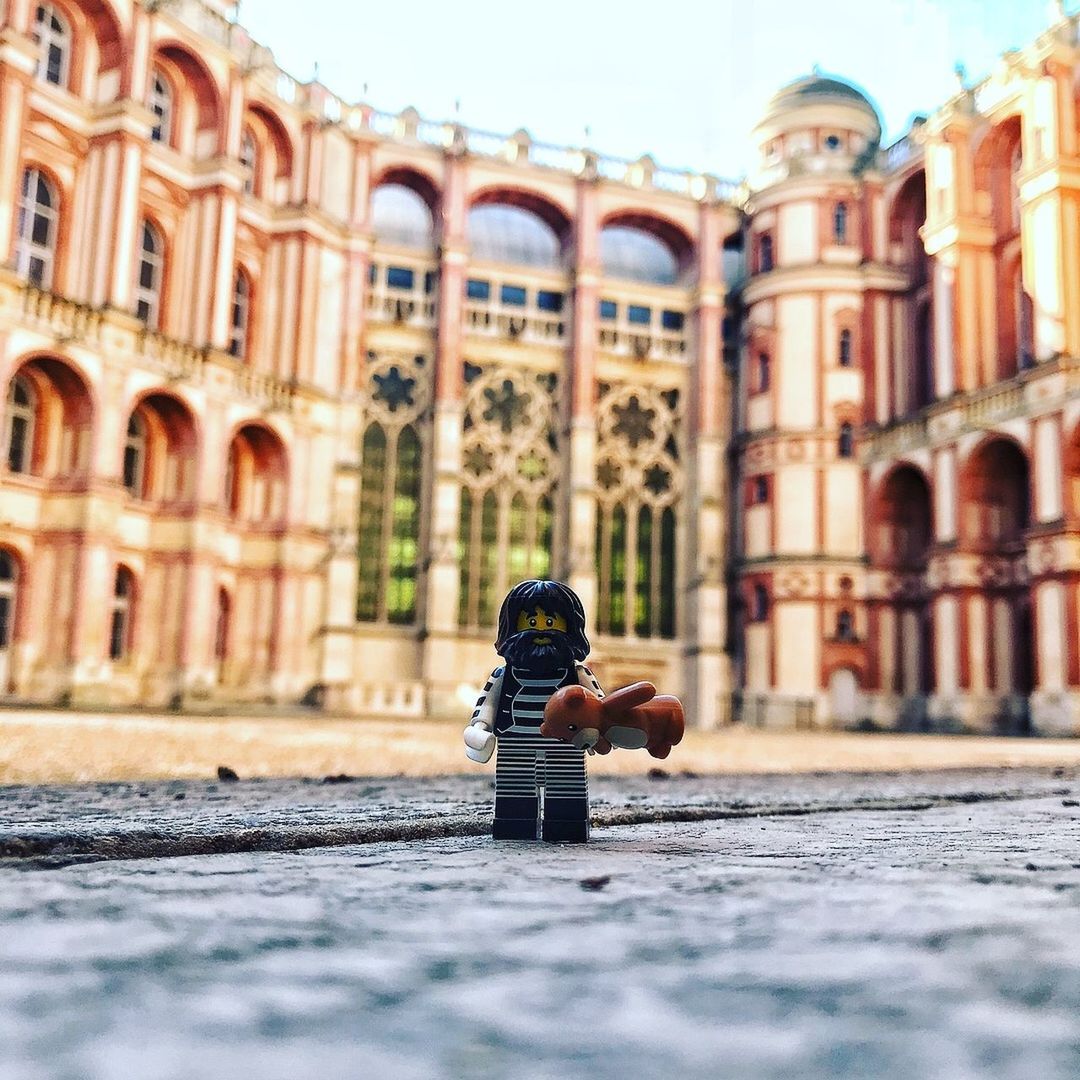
{"x": 816, "y": 124}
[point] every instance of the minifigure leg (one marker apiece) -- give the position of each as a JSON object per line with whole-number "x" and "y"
{"x": 517, "y": 800}
{"x": 566, "y": 795}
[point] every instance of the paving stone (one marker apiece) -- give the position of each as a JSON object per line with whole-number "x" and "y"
{"x": 853, "y": 943}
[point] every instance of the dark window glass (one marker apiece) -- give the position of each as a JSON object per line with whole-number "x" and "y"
{"x": 142, "y": 311}
{"x": 667, "y": 573}
{"x": 478, "y": 290}
{"x": 840, "y": 223}
{"x": 19, "y": 444}
{"x": 512, "y": 295}
{"x": 549, "y": 301}
{"x": 845, "y": 626}
{"x": 846, "y": 442}
{"x": 373, "y": 273}
{"x": 429, "y": 281}
{"x": 39, "y": 232}
{"x": 55, "y": 65}
{"x": 672, "y": 320}
{"x": 5, "y": 621}
{"x": 36, "y": 271}
{"x": 372, "y": 500}
{"x": 845, "y": 348}
{"x": 833, "y": 142}
{"x": 608, "y": 309}
{"x": 765, "y": 253}
{"x": 763, "y": 372}
{"x": 399, "y": 277}
{"x": 116, "y": 636}
{"x": 639, "y": 314}
{"x": 760, "y": 610}
{"x": 761, "y": 489}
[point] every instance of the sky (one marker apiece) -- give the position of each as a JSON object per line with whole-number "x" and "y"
{"x": 684, "y": 80}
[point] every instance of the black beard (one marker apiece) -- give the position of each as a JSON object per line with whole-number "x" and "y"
{"x": 521, "y": 650}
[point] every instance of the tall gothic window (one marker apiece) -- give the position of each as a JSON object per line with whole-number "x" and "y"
{"x": 19, "y": 420}
{"x": 122, "y": 612}
{"x": 765, "y": 253}
{"x": 639, "y": 481}
{"x": 35, "y": 242}
{"x": 161, "y": 105}
{"x": 391, "y": 484}
{"x": 506, "y": 524}
{"x": 249, "y": 158}
{"x": 241, "y": 314}
{"x": 148, "y": 282}
{"x": 52, "y": 35}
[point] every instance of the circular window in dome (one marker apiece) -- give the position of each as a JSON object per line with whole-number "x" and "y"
{"x": 832, "y": 142}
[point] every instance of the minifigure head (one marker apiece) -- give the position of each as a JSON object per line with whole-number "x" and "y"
{"x": 542, "y": 625}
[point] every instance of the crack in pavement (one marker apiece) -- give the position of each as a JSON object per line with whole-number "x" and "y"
{"x": 57, "y": 850}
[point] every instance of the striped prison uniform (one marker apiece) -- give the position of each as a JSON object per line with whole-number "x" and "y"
{"x": 535, "y": 777}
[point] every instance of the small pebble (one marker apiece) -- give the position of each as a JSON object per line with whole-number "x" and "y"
{"x": 1070, "y": 802}
{"x": 226, "y": 774}
{"x": 659, "y": 774}
{"x": 595, "y": 884}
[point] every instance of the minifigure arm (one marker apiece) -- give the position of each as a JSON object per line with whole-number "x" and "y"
{"x": 479, "y": 735}
{"x": 587, "y": 679}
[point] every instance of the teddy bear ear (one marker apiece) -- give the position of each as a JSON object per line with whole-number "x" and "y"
{"x": 629, "y": 696}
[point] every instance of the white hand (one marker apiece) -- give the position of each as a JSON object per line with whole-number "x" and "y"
{"x": 479, "y": 743}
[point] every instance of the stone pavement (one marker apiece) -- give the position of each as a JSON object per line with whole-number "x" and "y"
{"x": 920, "y": 925}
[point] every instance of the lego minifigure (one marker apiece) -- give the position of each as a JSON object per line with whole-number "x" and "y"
{"x": 541, "y": 636}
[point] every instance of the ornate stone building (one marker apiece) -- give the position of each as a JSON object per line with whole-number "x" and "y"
{"x": 907, "y": 548}
{"x": 294, "y": 390}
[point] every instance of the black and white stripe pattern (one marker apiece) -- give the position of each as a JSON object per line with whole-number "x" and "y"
{"x": 488, "y": 701}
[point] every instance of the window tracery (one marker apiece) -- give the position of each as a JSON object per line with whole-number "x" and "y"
{"x": 640, "y": 479}
{"x": 510, "y": 469}
{"x": 391, "y": 486}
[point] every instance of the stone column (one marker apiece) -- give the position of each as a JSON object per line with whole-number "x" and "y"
{"x": 358, "y": 262}
{"x": 578, "y": 542}
{"x": 228, "y": 198}
{"x": 443, "y": 580}
{"x": 703, "y": 624}
{"x": 16, "y": 71}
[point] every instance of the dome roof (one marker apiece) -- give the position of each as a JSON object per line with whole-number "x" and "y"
{"x": 813, "y": 89}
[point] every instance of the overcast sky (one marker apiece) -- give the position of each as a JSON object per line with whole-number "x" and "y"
{"x": 682, "y": 79}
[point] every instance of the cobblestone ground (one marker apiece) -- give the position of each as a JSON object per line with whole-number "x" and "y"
{"x": 934, "y": 936}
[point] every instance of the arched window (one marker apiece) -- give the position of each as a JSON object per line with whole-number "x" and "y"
{"x": 161, "y": 105}
{"x": 52, "y": 35}
{"x": 510, "y": 234}
{"x": 390, "y": 484}
{"x": 122, "y": 613}
{"x": 636, "y": 255}
{"x": 845, "y": 625}
{"x": 19, "y": 419}
{"x": 638, "y": 478}
{"x": 9, "y": 583}
{"x": 148, "y": 282}
{"x": 845, "y": 444}
{"x": 249, "y": 159}
{"x": 759, "y": 610}
{"x": 845, "y": 351}
{"x": 840, "y": 223}
{"x": 241, "y": 314}
{"x": 35, "y": 242}
{"x": 400, "y": 216}
{"x": 761, "y": 490}
{"x": 505, "y": 524}
{"x": 135, "y": 455}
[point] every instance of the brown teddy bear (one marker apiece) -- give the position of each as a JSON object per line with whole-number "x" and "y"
{"x": 631, "y": 718}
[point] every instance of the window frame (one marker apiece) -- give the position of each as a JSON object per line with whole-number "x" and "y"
{"x": 27, "y": 249}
